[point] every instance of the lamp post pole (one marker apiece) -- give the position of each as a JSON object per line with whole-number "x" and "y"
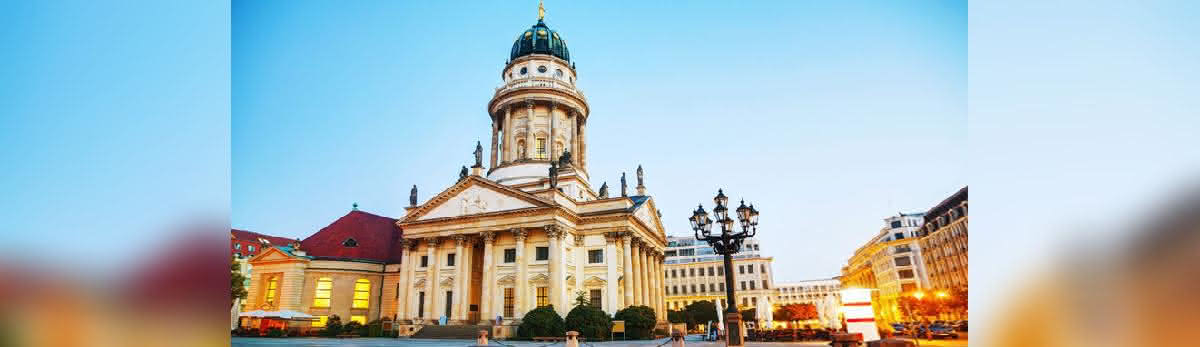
{"x": 727, "y": 243}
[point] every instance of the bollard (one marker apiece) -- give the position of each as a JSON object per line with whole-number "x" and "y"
{"x": 572, "y": 339}
{"x": 676, "y": 338}
{"x": 482, "y": 340}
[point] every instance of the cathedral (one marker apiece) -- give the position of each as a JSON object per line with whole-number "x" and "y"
{"x": 526, "y": 231}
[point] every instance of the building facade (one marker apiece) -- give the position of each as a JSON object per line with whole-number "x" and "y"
{"x": 527, "y": 231}
{"x": 891, "y": 263}
{"x": 694, "y": 272}
{"x": 944, "y": 239}
{"x": 824, "y": 294}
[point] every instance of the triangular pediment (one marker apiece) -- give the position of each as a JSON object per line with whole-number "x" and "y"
{"x": 447, "y": 282}
{"x": 647, "y": 213}
{"x": 539, "y": 279}
{"x": 271, "y": 254}
{"x": 594, "y": 281}
{"x": 507, "y": 280}
{"x": 419, "y": 284}
{"x": 471, "y": 196}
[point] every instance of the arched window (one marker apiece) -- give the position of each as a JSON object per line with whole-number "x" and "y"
{"x": 272, "y": 288}
{"x": 324, "y": 288}
{"x": 362, "y": 293}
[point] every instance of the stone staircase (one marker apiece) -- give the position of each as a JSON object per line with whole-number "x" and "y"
{"x": 450, "y": 332}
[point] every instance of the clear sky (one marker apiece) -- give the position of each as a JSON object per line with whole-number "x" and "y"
{"x": 828, "y": 117}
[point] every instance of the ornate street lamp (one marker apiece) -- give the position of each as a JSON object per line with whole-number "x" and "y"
{"x": 728, "y": 242}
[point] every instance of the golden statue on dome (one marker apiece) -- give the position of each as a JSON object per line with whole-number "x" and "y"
{"x": 541, "y": 10}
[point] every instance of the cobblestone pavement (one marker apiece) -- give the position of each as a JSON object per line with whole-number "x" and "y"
{"x": 693, "y": 340}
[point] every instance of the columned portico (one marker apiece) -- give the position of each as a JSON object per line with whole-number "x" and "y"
{"x": 639, "y": 283}
{"x": 610, "y": 293}
{"x": 626, "y": 243}
{"x": 460, "y": 272}
{"x": 431, "y": 277}
{"x": 557, "y": 280}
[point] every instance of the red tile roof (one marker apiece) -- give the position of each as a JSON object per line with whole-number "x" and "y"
{"x": 377, "y": 238}
{"x": 245, "y": 235}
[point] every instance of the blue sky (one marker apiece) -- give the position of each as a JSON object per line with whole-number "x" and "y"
{"x": 829, "y": 117}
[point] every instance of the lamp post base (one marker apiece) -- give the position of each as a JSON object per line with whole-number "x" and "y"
{"x": 733, "y": 329}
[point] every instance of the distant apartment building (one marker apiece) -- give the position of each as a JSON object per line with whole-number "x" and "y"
{"x": 944, "y": 239}
{"x": 808, "y": 292}
{"x": 891, "y": 262}
{"x": 694, "y": 272}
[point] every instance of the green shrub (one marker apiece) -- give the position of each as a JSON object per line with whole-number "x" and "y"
{"x": 355, "y": 328}
{"x": 542, "y": 321}
{"x": 275, "y": 332}
{"x": 590, "y": 322}
{"x": 333, "y": 326}
{"x": 639, "y": 321}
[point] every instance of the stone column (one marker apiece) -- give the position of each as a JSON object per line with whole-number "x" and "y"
{"x": 529, "y": 145}
{"x": 522, "y": 274}
{"x": 626, "y": 241}
{"x": 489, "y": 276}
{"x": 550, "y": 151}
{"x": 580, "y": 262}
{"x": 413, "y": 259}
{"x": 431, "y": 276}
{"x": 643, "y": 270}
{"x": 509, "y": 141}
{"x": 639, "y": 281}
{"x": 402, "y": 290}
{"x": 575, "y": 155}
{"x": 583, "y": 144}
{"x": 660, "y": 288}
{"x": 610, "y": 281}
{"x": 456, "y": 301}
{"x": 495, "y": 143}
{"x": 468, "y": 263}
{"x": 557, "y": 282}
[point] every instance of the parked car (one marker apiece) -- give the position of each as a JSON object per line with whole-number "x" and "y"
{"x": 961, "y": 326}
{"x": 938, "y": 331}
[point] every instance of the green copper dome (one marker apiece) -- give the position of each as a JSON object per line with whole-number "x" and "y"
{"x": 540, "y": 39}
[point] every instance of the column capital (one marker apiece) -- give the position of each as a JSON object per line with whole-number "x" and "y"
{"x": 488, "y": 237}
{"x": 612, "y": 236}
{"x": 578, "y": 240}
{"x": 519, "y": 234}
{"x": 405, "y": 243}
{"x": 459, "y": 240}
{"x": 554, "y": 231}
{"x": 529, "y": 104}
{"x": 433, "y": 241}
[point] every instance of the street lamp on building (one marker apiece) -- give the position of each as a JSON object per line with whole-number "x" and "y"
{"x": 726, "y": 243}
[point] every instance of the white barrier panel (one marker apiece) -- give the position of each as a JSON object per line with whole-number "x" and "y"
{"x": 860, "y": 317}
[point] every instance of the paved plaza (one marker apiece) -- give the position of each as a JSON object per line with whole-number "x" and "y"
{"x": 693, "y": 340}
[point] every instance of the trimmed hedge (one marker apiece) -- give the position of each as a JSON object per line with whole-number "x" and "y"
{"x": 590, "y": 322}
{"x": 542, "y": 321}
{"x": 639, "y": 321}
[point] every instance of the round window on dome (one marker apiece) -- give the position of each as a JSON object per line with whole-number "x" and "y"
{"x": 558, "y": 72}
{"x": 524, "y": 70}
{"x": 542, "y": 69}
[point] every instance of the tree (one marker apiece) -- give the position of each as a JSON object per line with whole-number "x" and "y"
{"x": 795, "y": 312}
{"x": 589, "y": 321}
{"x": 701, "y": 312}
{"x": 581, "y": 299}
{"x": 237, "y": 282}
{"x": 921, "y": 308}
{"x": 542, "y": 321}
{"x": 333, "y": 326}
{"x": 639, "y": 321}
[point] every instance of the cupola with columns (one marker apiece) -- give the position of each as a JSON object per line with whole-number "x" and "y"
{"x": 537, "y": 114}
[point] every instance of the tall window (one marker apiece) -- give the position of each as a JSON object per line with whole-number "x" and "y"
{"x": 272, "y": 286}
{"x": 362, "y": 293}
{"x": 765, "y": 285}
{"x": 751, "y": 268}
{"x": 595, "y": 256}
{"x": 741, "y": 269}
{"x": 541, "y": 149}
{"x": 720, "y": 271}
{"x": 596, "y": 298}
{"x": 320, "y": 322}
{"x": 510, "y": 255}
{"x": 712, "y": 287}
{"x": 764, "y": 268}
{"x": 424, "y": 261}
{"x": 421, "y": 305}
{"x": 751, "y": 285}
{"x": 543, "y": 253}
{"x": 711, "y": 272}
{"x": 692, "y": 272}
{"x": 543, "y": 296}
{"x": 509, "y": 305}
{"x": 450, "y": 259}
{"x": 324, "y": 287}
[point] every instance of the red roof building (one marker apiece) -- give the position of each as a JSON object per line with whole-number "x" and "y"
{"x": 357, "y": 236}
{"x": 245, "y": 243}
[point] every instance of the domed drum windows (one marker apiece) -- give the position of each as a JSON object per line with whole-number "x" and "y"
{"x": 542, "y": 69}
{"x": 524, "y": 71}
{"x": 558, "y": 73}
